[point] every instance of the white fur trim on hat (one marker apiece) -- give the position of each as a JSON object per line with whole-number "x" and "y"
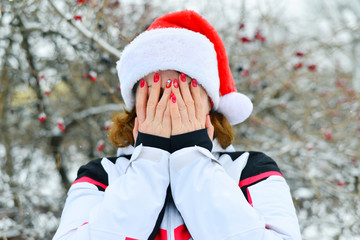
{"x": 169, "y": 49}
{"x": 236, "y": 107}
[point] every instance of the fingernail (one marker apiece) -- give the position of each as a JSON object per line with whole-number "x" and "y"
{"x": 173, "y": 99}
{"x": 156, "y": 77}
{"x": 194, "y": 82}
{"x": 142, "y": 83}
{"x": 171, "y": 95}
{"x": 168, "y": 83}
{"x": 183, "y": 77}
{"x": 176, "y": 83}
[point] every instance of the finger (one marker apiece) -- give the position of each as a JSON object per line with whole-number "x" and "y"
{"x": 186, "y": 96}
{"x": 161, "y": 106}
{"x": 153, "y": 97}
{"x": 141, "y": 100}
{"x": 175, "y": 116}
{"x": 167, "y": 118}
{"x": 198, "y": 103}
{"x": 209, "y": 127}
{"x": 180, "y": 102}
{"x": 136, "y": 129}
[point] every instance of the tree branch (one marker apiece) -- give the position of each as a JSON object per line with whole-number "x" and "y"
{"x": 92, "y": 111}
{"x": 88, "y": 34}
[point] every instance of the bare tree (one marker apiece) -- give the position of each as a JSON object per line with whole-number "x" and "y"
{"x": 59, "y": 87}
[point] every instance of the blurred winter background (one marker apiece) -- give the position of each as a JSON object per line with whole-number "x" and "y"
{"x": 298, "y": 61}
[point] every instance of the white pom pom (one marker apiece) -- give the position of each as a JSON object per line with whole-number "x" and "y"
{"x": 236, "y": 107}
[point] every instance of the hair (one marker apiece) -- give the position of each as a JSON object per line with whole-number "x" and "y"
{"x": 121, "y": 130}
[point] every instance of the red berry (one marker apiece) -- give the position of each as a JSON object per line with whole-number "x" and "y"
{"x": 42, "y": 117}
{"x": 327, "y": 134}
{"x": 245, "y": 73}
{"x": 82, "y": 1}
{"x": 92, "y": 76}
{"x": 241, "y": 26}
{"x": 259, "y": 36}
{"x": 61, "y": 126}
{"x": 107, "y": 125}
{"x": 42, "y": 76}
{"x": 245, "y": 40}
{"x": 312, "y": 67}
{"x": 77, "y": 17}
{"x": 340, "y": 184}
{"x": 299, "y": 54}
{"x": 298, "y": 66}
{"x": 100, "y": 145}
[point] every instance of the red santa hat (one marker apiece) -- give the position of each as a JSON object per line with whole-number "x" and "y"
{"x": 184, "y": 41}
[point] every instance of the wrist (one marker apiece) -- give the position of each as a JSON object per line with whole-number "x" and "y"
{"x": 150, "y": 140}
{"x": 195, "y": 138}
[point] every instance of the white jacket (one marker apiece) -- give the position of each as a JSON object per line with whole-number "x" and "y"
{"x": 182, "y": 192}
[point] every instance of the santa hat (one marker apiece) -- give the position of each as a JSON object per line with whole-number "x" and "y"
{"x": 184, "y": 41}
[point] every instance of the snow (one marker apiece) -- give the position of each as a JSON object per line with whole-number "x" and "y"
{"x": 321, "y": 172}
{"x": 303, "y": 193}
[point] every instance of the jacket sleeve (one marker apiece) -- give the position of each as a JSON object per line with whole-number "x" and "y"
{"x": 213, "y": 205}
{"x": 125, "y": 209}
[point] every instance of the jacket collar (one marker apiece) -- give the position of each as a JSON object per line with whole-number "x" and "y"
{"x": 216, "y": 148}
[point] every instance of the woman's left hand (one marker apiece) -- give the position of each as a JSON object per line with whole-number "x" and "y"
{"x": 189, "y": 107}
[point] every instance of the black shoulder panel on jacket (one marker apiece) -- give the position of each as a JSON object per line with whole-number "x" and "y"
{"x": 93, "y": 172}
{"x": 258, "y": 168}
{"x": 258, "y": 163}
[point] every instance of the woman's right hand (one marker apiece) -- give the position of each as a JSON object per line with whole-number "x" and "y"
{"x": 153, "y": 115}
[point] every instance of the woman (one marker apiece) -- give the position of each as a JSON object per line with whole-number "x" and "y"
{"x": 177, "y": 175}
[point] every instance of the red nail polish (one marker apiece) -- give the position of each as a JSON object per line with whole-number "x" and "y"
{"x": 176, "y": 83}
{"x": 171, "y": 95}
{"x": 173, "y": 99}
{"x": 156, "y": 77}
{"x": 142, "y": 83}
{"x": 183, "y": 77}
{"x": 194, "y": 82}
{"x": 168, "y": 83}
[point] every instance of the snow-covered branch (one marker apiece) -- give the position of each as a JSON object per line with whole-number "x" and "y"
{"x": 93, "y": 111}
{"x": 87, "y": 33}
